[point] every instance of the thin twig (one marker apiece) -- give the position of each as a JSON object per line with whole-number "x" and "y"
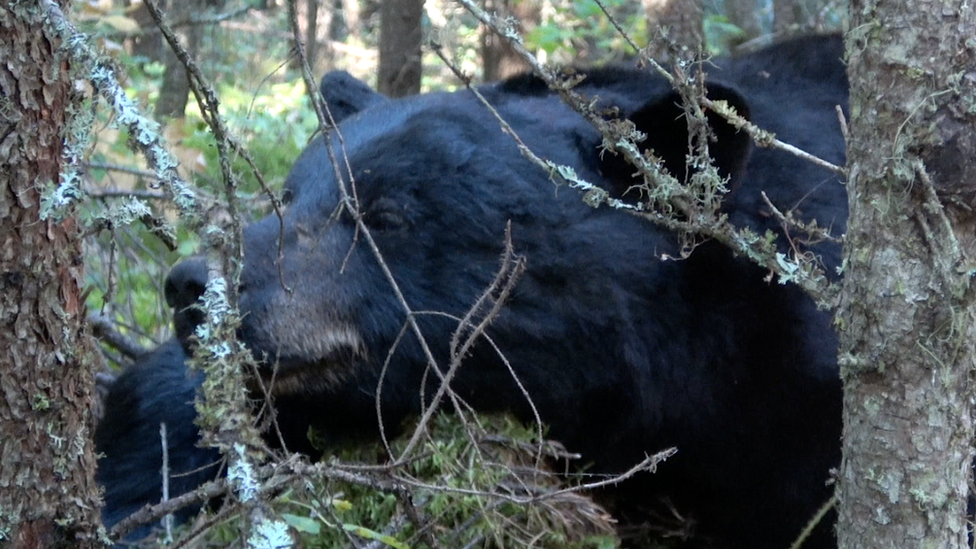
{"x": 808, "y": 276}
{"x": 349, "y": 201}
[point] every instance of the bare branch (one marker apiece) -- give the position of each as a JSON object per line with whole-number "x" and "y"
{"x": 104, "y": 329}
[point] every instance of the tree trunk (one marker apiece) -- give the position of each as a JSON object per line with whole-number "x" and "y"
{"x": 682, "y": 23}
{"x": 311, "y": 32}
{"x": 907, "y": 320}
{"x": 745, "y": 15}
{"x": 792, "y": 16}
{"x": 400, "y": 39}
{"x": 148, "y": 44}
{"x": 350, "y": 19}
{"x": 175, "y": 91}
{"x": 48, "y": 495}
{"x": 498, "y": 58}
{"x": 337, "y": 28}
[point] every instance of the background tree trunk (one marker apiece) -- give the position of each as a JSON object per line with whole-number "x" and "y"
{"x": 498, "y": 59}
{"x": 400, "y": 39}
{"x": 745, "y": 15}
{"x": 321, "y": 23}
{"x": 175, "y": 91}
{"x": 352, "y": 26}
{"x": 683, "y": 19}
{"x": 311, "y": 30}
{"x": 48, "y": 495}
{"x": 907, "y": 321}
{"x": 149, "y": 44}
{"x": 790, "y": 16}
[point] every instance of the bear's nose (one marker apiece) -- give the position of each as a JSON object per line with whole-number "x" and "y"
{"x": 183, "y": 289}
{"x": 186, "y": 283}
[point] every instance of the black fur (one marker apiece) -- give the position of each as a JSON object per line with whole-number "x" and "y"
{"x": 157, "y": 389}
{"x": 623, "y": 353}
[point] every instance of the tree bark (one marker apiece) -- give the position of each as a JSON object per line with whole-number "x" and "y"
{"x": 175, "y": 90}
{"x": 498, "y": 59}
{"x": 682, "y": 23}
{"x": 312, "y": 19}
{"x": 48, "y": 495}
{"x": 149, "y": 44}
{"x": 400, "y": 39}
{"x": 312, "y": 32}
{"x": 907, "y": 320}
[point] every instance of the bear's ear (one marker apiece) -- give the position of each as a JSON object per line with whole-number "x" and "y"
{"x": 662, "y": 121}
{"x": 345, "y": 95}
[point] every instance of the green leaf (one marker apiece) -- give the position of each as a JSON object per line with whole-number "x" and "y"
{"x": 303, "y": 524}
{"x": 341, "y": 505}
{"x": 366, "y": 533}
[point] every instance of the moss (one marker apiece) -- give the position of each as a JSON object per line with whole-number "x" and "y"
{"x": 469, "y": 484}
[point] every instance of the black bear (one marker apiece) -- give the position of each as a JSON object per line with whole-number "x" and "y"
{"x": 620, "y": 351}
{"x": 157, "y": 389}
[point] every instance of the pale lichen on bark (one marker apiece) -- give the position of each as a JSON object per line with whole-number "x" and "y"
{"x": 48, "y": 494}
{"x": 907, "y": 324}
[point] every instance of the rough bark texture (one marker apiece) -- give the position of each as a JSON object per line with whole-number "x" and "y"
{"x": 400, "y": 39}
{"x": 907, "y": 321}
{"x": 683, "y": 21}
{"x": 48, "y": 495}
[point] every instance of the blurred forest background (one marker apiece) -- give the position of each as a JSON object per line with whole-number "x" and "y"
{"x": 245, "y": 49}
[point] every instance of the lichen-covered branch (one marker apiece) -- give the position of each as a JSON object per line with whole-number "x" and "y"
{"x": 665, "y": 193}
